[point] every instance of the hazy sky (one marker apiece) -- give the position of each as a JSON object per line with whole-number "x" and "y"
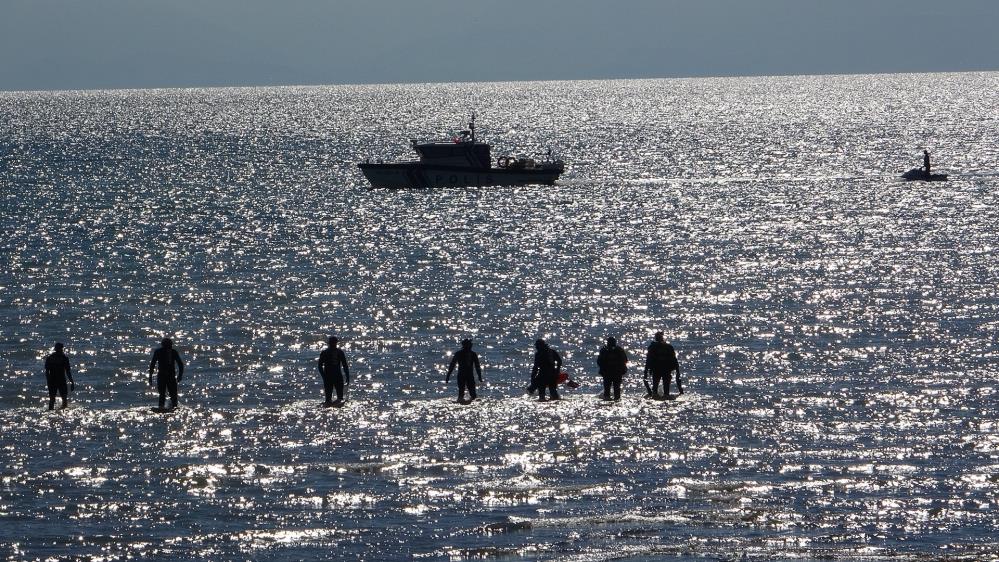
{"x": 64, "y": 44}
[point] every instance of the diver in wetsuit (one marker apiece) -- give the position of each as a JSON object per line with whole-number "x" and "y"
{"x": 331, "y": 361}
{"x": 468, "y": 364}
{"x": 926, "y": 162}
{"x": 544, "y": 374}
{"x": 613, "y": 363}
{"x": 56, "y": 372}
{"x": 166, "y": 377}
{"x": 661, "y": 362}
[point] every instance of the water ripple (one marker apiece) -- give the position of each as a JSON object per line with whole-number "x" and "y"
{"x": 838, "y": 327}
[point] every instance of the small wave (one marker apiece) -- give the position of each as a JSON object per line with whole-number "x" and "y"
{"x": 609, "y": 519}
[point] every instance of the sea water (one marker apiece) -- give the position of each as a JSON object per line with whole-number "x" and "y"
{"x": 836, "y": 327}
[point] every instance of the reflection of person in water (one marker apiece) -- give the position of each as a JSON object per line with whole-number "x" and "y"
{"x": 926, "y": 162}
{"x": 613, "y": 363}
{"x": 57, "y": 371}
{"x": 334, "y": 371}
{"x": 167, "y": 378}
{"x": 544, "y": 374}
{"x": 661, "y": 362}
{"x": 467, "y": 362}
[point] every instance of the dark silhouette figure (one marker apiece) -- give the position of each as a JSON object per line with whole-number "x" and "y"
{"x": 925, "y": 173}
{"x": 661, "y": 362}
{"x": 57, "y": 371}
{"x": 467, "y": 362}
{"x": 167, "y": 377}
{"x": 334, "y": 371}
{"x": 613, "y": 363}
{"x": 544, "y": 374}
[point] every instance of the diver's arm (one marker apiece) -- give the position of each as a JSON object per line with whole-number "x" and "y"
{"x": 676, "y": 367}
{"x": 343, "y": 361}
{"x": 180, "y": 365}
{"x": 558, "y": 362}
{"x": 450, "y": 369}
{"x": 478, "y": 366}
{"x": 152, "y": 367}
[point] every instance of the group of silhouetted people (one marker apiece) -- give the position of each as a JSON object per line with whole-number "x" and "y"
{"x": 546, "y": 373}
{"x": 166, "y": 363}
{"x": 660, "y": 362}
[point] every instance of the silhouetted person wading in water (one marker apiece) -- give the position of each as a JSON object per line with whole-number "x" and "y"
{"x": 56, "y": 372}
{"x": 167, "y": 378}
{"x": 544, "y": 374}
{"x": 926, "y": 161}
{"x": 661, "y": 362}
{"x": 331, "y": 361}
{"x": 467, "y": 362}
{"x": 613, "y": 363}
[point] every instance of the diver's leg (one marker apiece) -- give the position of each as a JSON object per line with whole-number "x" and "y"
{"x": 52, "y": 395}
{"x": 327, "y": 390}
{"x": 471, "y": 388}
{"x": 161, "y": 386}
{"x": 172, "y": 387}
{"x": 63, "y": 392}
{"x": 607, "y": 387}
{"x": 656, "y": 377}
{"x": 553, "y": 390}
{"x": 338, "y": 384}
{"x": 617, "y": 387}
{"x": 461, "y": 387}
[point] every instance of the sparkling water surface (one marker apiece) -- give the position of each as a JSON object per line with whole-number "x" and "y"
{"x": 837, "y": 328}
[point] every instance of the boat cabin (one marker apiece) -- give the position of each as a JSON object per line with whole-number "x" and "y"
{"x": 461, "y": 151}
{"x": 464, "y": 153}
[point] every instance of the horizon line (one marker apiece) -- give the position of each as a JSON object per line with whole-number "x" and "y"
{"x": 461, "y": 82}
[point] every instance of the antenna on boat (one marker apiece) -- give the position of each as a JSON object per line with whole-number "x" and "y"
{"x": 471, "y": 127}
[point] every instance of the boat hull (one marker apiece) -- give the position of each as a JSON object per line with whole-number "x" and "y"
{"x": 416, "y": 175}
{"x": 919, "y": 174}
